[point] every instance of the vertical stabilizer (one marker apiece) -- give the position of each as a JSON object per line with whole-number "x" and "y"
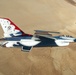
{"x": 10, "y": 29}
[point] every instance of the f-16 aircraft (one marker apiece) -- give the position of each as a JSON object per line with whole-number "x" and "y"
{"x": 15, "y": 37}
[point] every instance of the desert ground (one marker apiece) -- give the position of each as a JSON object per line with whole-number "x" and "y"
{"x": 30, "y": 15}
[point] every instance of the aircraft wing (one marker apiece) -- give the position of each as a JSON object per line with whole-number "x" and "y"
{"x": 47, "y": 34}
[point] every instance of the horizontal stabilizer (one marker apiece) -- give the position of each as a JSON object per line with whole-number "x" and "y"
{"x": 26, "y": 48}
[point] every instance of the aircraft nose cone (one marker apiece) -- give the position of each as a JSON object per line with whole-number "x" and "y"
{"x": 75, "y": 40}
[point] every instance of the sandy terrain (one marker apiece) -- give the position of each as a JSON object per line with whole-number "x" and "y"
{"x": 29, "y": 15}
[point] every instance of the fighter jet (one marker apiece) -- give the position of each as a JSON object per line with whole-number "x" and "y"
{"x": 15, "y": 37}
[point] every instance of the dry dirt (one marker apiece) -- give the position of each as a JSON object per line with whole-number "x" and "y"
{"x": 30, "y": 15}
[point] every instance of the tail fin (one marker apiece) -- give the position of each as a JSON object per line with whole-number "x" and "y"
{"x": 10, "y": 29}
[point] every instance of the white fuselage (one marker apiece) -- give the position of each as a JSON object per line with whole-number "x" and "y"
{"x": 23, "y": 41}
{"x": 32, "y": 41}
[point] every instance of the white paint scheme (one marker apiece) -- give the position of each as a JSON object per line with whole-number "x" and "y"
{"x": 15, "y": 37}
{"x": 10, "y": 43}
{"x": 29, "y": 42}
{"x": 64, "y": 40}
{"x": 61, "y": 43}
{"x": 23, "y": 42}
{"x": 8, "y": 28}
{"x": 67, "y": 38}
